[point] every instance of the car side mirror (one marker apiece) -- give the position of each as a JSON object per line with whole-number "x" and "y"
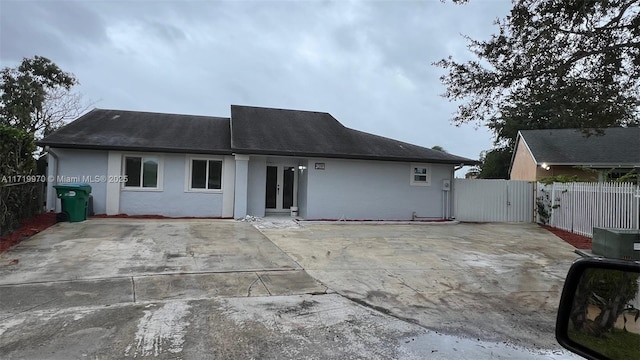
{"x": 599, "y": 316}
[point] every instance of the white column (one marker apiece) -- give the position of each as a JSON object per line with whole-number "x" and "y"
{"x": 241, "y": 186}
{"x": 52, "y": 198}
{"x": 229, "y": 185}
{"x": 114, "y": 168}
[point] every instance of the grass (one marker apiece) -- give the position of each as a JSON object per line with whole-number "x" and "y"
{"x": 615, "y": 345}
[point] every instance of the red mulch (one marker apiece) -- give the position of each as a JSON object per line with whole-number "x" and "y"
{"x": 27, "y": 228}
{"x": 578, "y": 241}
{"x": 382, "y": 221}
{"x": 125, "y": 216}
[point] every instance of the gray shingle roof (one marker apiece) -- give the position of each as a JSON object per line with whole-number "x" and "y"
{"x": 618, "y": 146}
{"x": 317, "y": 134}
{"x": 144, "y": 131}
{"x": 251, "y": 130}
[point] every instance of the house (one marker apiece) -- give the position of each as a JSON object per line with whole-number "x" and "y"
{"x": 552, "y": 152}
{"x": 259, "y": 161}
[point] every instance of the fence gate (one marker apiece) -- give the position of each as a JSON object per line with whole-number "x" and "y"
{"x": 493, "y": 200}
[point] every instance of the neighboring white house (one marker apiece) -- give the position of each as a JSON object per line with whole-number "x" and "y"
{"x": 258, "y": 161}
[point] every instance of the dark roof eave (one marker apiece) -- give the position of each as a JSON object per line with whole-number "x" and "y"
{"x": 355, "y": 157}
{"x": 134, "y": 148}
{"x": 599, "y": 165}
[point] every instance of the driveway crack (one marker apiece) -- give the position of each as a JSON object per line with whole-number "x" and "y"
{"x": 263, "y": 284}
{"x": 251, "y": 285}
{"x": 29, "y": 309}
{"x": 401, "y": 281}
{"x": 133, "y": 289}
{"x": 383, "y": 310}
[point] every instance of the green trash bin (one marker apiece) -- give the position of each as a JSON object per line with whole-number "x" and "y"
{"x": 74, "y": 199}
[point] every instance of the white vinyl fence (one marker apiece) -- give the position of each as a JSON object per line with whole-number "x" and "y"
{"x": 578, "y": 207}
{"x": 486, "y": 200}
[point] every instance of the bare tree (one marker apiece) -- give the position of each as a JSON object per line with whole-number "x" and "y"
{"x": 59, "y": 107}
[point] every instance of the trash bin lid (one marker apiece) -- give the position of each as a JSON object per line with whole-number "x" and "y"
{"x": 75, "y": 186}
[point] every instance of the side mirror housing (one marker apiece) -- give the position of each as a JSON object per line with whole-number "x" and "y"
{"x": 599, "y": 316}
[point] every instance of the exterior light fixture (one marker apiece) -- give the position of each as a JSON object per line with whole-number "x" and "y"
{"x": 545, "y": 166}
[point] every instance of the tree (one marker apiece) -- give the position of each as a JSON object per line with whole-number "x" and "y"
{"x": 438, "y": 148}
{"x": 608, "y": 290}
{"x": 495, "y": 163}
{"x": 17, "y": 202}
{"x": 572, "y": 106}
{"x": 554, "y": 63}
{"x": 36, "y": 96}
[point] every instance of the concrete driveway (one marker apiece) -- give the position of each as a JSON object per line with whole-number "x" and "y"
{"x": 110, "y": 261}
{"x": 202, "y": 289}
{"x": 496, "y": 282}
{"x": 107, "y": 248}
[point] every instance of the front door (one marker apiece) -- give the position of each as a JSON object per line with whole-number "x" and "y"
{"x": 281, "y": 186}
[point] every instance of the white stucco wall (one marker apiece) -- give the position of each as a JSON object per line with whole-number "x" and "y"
{"x": 372, "y": 190}
{"x": 79, "y": 166}
{"x": 172, "y": 199}
{"x": 256, "y": 190}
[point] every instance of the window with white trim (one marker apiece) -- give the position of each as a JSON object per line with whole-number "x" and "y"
{"x": 142, "y": 172}
{"x": 420, "y": 174}
{"x": 205, "y": 174}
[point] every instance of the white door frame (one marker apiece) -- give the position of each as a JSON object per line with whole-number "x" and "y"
{"x": 280, "y": 183}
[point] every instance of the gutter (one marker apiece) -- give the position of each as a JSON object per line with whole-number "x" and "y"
{"x": 593, "y": 165}
{"x": 136, "y": 148}
{"x": 343, "y": 156}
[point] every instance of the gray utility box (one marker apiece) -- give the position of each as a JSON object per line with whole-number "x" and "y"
{"x": 616, "y": 243}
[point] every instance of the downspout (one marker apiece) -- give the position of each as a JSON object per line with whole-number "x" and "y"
{"x": 50, "y": 182}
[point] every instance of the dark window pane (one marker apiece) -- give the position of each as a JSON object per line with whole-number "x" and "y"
{"x": 132, "y": 170}
{"x": 420, "y": 178}
{"x": 150, "y": 173}
{"x": 287, "y": 195}
{"x": 215, "y": 175}
{"x": 198, "y": 174}
{"x": 272, "y": 187}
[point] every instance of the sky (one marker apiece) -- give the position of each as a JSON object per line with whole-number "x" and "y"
{"x": 367, "y": 63}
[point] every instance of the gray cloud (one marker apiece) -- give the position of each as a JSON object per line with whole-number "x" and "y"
{"x": 366, "y": 62}
{"x": 60, "y": 30}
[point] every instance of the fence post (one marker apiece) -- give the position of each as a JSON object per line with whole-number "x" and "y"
{"x": 534, "y": 192}
{"x": 637, "y": 198}
{"x": 599, "y": 207}
{"x": 553, "y": 197}
{"x": 572, "y": 204}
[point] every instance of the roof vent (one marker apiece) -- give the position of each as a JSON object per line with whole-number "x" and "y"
{"x": 115, "y": 117}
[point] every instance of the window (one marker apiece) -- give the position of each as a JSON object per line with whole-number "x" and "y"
{"x": 205, "y": 174}
{"x": 141, "y": 172}
{"x": 420, "y": 175}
